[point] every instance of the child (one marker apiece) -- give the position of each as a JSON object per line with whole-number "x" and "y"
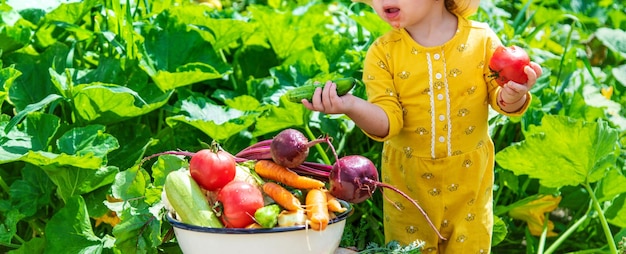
{"x": 429, "y": 90}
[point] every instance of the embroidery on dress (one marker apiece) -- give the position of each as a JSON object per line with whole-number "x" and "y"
{"x": 382, "y": 65}
{"x": 408, "y": 151}
{"x": 471, "y": 90}
{"x": 463, "y": 112}
{"x": 467, "y": 163}
{"x": 434, "y": 192}
{"x": 462, "y": 47}
{"x": 461, "y": 238}
{"x": 404, "y": 74}
{"x": 455, "y": 72}
{"x": 411, "y": 229}
{"x": 421, "y": 131}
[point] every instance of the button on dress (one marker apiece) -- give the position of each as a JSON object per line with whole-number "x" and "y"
{"x": 438, "y": 149}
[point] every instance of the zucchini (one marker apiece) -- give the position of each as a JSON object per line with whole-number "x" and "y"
{"x": 188, "y": 201}
{"x": 344, "y": 85}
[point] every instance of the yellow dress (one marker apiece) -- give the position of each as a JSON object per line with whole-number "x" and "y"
{"x": 438, "y": 149}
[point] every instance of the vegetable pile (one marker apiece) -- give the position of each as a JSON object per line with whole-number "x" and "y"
{"x": 270, "y": 184}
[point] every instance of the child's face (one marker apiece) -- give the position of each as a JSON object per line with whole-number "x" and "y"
{"x": 403, "y": 13}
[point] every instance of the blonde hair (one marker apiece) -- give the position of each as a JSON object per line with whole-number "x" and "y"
{"x": 463, "y": 8}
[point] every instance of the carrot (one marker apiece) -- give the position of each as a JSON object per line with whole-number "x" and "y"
{"x": 317, "y": 209}
{"x": 282, "y": 196}
{"x": 270, "y": 170}
{"x": 333, "y": 203}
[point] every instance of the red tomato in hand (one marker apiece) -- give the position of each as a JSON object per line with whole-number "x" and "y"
{"x": 507, "y": 63}
{"x": 212, "y": 169}
{"x": 239, "y": 201}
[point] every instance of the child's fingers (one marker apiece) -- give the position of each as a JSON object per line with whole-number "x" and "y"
{"x": 329, "y": 87}
{"x": 537, "y": 68}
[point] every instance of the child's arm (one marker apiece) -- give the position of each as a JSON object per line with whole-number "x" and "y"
{"x": 369, "y": 117}
{"x": 513, "y": 96}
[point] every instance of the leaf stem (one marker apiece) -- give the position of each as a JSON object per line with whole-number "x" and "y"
{"x": 544, "y": 234}
{"x": 603, "y": 221}
{"x": 566, "y": 234}
{"x": 4, "y": 185}
{"x": 318, "y": 147}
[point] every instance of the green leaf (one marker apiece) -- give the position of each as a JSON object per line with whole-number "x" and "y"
{"x": 35, "y": 245}
{"x": 219, "y": 32}
{"x": 90, "y": 139}
{"x": 139, "y": 232}
{"x": 14, "y": 31}
{"x": 610, "y": 186}
{"x": 614, "y": 39}
{"x": 8, "y": 227}
{"x": 564, "y": 151}
{"x": 72, "y": 181}
{"x": 176, "y": 56}
{"x": 134, "y": 140}
{"x": 131, "y": 183}
{"x": 32, "y": 192}
{"x": 35, "y": 83}
{"x": 164, "y": 165}
{"x": 32, "y": 108}
{"x": 34, "y": 134}
{"x": 110, "y": 103}
{"x": 279, "y": 118}
{"x": 218, "y": 122}
{"x": 71, "y": 225}
{"x": 619, "y": 72}
{"x": 616, "y": 213}
{"x": 499, "y": 231}
{"x": 7, "y": 77}
{"x": 289, "y": 32}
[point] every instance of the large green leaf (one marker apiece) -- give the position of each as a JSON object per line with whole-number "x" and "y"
{"x": 614, "y": 39}
{"x": 7, "y": 77}
{"x": 218, "y": 122}
{"x": 289, "y": 32}
{"x": 616, "y": 213}
{"x": 71, "y": 225}
{"x": 31, "y": 192}
{"x": 563, "y": 151}
{"x": 619, "y": 72}
{"x": 177, "y": 56}
{"x": 33, "y": 135}
{"x": 219, "y": 32}
{"x": 15, "y": 32}
{"x": 35, "y": 84}
{"x": 110, "y": 103}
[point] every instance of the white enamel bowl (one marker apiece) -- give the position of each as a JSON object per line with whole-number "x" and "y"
{"x": 288, "y": 240}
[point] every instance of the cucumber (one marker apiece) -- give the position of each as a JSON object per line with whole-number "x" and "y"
{"x": 188, "y": 201}
{"x": 344, "y": 85}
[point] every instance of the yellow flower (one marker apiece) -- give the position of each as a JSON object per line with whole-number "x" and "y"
{"x": 534, "y": 213}
{"x": 607, "y": 92}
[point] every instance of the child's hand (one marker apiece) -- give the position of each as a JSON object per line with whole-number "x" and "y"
{"x": 513, "y": 92}
{"x": 327, "y": 101}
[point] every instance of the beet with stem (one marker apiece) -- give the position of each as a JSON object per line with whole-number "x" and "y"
{"x": 354, "y": 178}
{"x": 290, "y": 148}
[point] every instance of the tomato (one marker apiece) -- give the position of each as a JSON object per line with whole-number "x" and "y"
{"x": 212, "y": 169}
{"x": 507, "y": 63}
{"x": 239, "y": 201}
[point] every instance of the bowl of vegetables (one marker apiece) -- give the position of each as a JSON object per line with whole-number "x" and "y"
{"x": 276, "y": 240}
{"x": 261, "y": 207}
{"x": 265, "y": 198}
